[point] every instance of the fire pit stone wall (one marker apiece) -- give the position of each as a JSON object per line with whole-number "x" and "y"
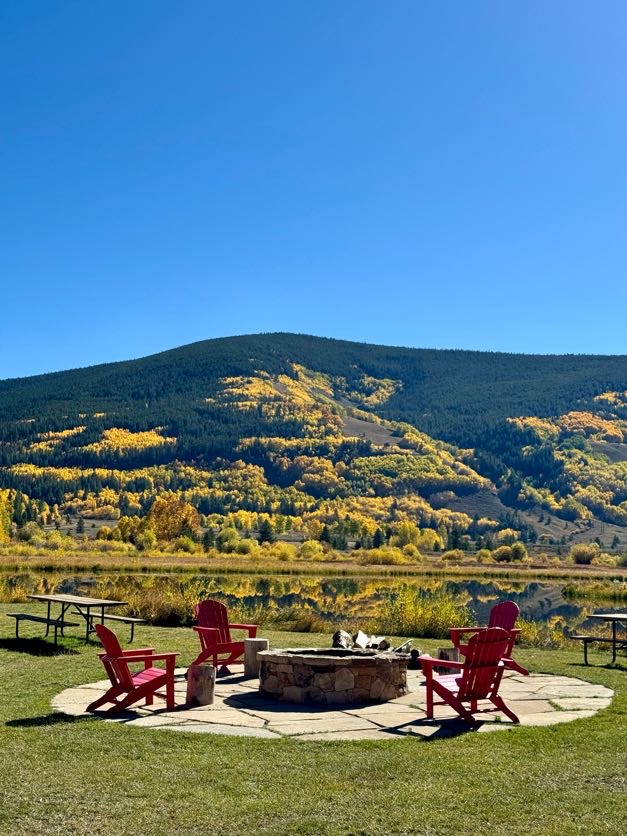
{"x": 332, "y": 677}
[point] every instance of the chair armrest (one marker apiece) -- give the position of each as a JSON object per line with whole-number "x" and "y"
{"x": 135, "y": 650}
{"x": 513, "y": 665}
{"x": 428, "y": 663}
{"x": 252, "y": 629}
{"x": 146, "y": 657}
{"x": 144, "y": 651}
{"x": 168, "y": 655}
{"x": 205, "y": 629}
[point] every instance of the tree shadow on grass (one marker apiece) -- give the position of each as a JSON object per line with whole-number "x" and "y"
{"x": 36, "y": 647}
{"x": 618, "y": 665}
{"x": 52, "y": 719}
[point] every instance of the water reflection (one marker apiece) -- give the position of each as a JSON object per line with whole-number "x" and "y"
{"x": 332, "y": 599}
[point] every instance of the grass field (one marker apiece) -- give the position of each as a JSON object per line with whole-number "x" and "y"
{"x": 83, "y": 776}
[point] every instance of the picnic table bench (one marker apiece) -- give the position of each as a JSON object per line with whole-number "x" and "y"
{"x": 49, "y": 622}
{"x": 124, "y": 619}
{"x": 616, "y": 642}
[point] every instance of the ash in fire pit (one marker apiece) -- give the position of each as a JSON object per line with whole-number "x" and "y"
{"x": 332, "y": 677}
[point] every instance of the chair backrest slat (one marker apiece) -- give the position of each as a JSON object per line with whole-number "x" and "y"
{"x": 483, "y": 669}
{"x": 214, "y": 614}
{"x": 116, "y": 664}
{"x": 504, "y": 615}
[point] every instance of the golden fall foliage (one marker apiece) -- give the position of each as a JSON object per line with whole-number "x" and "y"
{"x": 588, "y": 424}
{"x": 6, "y": 506}
{"x": 46, "y": 441}
{"x": 120, "y": 440}
{"x": 170, "y": 517}
{"x": 612, "y": 398}
{"x": 374, "y": 391}
{"x": 543, "y": 428}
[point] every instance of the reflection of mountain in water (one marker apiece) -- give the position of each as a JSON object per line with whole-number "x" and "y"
{"x": 333, "y": 599}
{"x": 537, "y": 601}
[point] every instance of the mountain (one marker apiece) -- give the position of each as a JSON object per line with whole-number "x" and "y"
{"x": 325, "y": 431}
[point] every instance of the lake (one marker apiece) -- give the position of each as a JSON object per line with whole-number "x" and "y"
{"x": 352, "y": 600}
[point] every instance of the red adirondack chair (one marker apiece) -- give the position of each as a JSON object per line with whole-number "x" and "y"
{"x": 214, "y": 632}
{"x": 127, "y": 687}
{"x": 479, "y": 678}
{"x": 502, "y": 615}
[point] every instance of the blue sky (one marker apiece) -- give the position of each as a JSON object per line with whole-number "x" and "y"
{"x": 410, "y": 173}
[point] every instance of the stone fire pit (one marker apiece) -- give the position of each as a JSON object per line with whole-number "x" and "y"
{"x": 332, "y": 677}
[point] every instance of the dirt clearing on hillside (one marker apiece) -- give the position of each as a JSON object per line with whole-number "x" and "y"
{"x": 372, "y": 432}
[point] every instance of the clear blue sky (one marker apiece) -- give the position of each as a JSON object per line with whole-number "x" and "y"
{"x": 411, "y": 173}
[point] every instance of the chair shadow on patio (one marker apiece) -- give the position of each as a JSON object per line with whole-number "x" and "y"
{"x": 439, "y": 729}
{"x": 417, "y": 725}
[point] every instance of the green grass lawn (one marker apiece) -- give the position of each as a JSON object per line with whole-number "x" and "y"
{"x": 75, "y": 776}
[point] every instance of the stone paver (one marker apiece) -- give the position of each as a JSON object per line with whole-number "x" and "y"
{"x": 582, "y": 703}
{"x": 324, "y": 725}
{"x": 216, "y": 728}
{"x": 582, "y": 690}
{"x": 239, "y": 709}
{"x": 362, "y": 734}
{"x": 554, "y": 717}
{"x": 154, "y": 721}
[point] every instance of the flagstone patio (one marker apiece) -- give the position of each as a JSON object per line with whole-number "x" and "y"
{"x": 239, "y": 709}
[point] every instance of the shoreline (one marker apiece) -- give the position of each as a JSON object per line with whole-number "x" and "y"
{"x": 174, "y": 564}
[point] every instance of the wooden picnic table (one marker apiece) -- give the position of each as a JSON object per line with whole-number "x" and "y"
{"x": 616, "y": 641}
{"x": 81, "y": 606}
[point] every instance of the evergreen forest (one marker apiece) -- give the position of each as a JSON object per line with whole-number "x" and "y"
{"x": 323, "y": 441}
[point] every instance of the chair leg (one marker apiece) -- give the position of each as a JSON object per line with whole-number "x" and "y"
{"x": 463, "y": 712}
{"x": 202, "y": 657}
{"x": 450, "y": 699}
{"x": 500, "y": 704}
{"x": 109, "y": 696}
{"x": 129, "y": 699}
{"x": 512, "y": 665}
{"x": 429, "y": 701}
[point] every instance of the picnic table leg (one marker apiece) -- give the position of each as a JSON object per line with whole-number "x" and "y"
{"x": 48, "y": 624}
{"x": 61, "y": 619}
{"x": 88, "y": 624}
{"x": 89, "y": 618}
{"x": 613, "y": 641}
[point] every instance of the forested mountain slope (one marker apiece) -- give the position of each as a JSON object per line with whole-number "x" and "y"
{"x": 324, "y": 431}
{"x": 450, "y": 394}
